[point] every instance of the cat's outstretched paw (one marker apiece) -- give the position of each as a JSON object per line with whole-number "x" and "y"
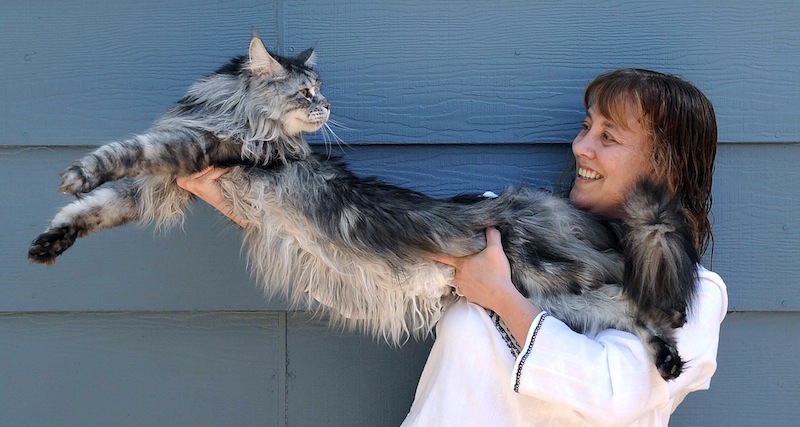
{"x": 75, "y": 181}
{"x": 668, "y": 361}
{"x": 50, "y": 244}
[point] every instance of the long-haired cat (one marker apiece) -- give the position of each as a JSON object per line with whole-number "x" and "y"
{"x": 361, "y": 247}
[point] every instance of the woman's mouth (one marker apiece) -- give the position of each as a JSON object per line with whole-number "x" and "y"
{"x": 588, "y": 174}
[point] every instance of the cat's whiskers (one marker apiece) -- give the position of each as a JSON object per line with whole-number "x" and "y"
{"x": 339, "y": 125}
{"x": 329, "y": 136}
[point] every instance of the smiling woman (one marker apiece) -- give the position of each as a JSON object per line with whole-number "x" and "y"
{"x": 500, "y": 360}
{"x": 679, "y": 122}
{"x": 610, "y": 157}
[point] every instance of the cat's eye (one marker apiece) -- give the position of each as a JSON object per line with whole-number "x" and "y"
{"x": 305, "y": 92}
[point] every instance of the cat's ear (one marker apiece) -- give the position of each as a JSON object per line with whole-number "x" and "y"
{"x": 260, "y": 60}
{"x": 308, "y": 57}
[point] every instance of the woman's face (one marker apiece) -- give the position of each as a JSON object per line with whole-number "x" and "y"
{"x": 610, "y": 157}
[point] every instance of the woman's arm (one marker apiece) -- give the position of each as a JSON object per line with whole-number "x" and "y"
{"x": 612, "y": 376}
{"x": 203, "y": 185}
{"x": 608, "y": 378}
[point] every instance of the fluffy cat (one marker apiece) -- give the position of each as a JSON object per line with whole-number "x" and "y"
{"x": 315, "y": 231}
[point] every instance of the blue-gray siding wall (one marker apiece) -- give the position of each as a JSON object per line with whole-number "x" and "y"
{"x": 133, "y": 328}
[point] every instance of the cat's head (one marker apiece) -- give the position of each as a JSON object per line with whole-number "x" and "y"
{"x": 263, "y": 101}
{"x": 292, "y": 83}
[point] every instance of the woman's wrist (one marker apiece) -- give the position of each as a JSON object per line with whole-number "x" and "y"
{"x": 517, "y": 313}
{"x": 221, "y": 205}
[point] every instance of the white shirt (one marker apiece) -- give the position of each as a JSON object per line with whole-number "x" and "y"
{"x": 567, "y": 379}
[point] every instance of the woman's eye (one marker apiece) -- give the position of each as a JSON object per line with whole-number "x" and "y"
{"x": 305, "y": 92}
{"x": 608, "y": 138}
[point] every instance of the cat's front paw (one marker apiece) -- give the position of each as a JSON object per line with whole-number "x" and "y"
{"x": 668, "y": 361}
{"x": 51, "y": 244}
{"x": 75, "y": 181}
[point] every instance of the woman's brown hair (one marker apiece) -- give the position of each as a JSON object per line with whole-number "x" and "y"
{"x": 683, "y": 126}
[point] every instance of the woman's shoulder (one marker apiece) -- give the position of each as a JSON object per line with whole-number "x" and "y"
{"x": 706, "y": 277}
{"x": 711, "y": 288}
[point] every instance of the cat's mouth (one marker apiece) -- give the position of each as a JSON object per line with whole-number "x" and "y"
{"x": 315, "y": 124}
{"x": 318, "y": 116}
{"x": 295, "y": 125}
{"x": 301, "y": 120}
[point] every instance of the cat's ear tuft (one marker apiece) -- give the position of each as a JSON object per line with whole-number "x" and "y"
{"x": 308, "y": 57}
{"x": 261, "y": 62}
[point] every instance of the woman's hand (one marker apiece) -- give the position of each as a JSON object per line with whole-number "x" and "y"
{"x": 203, "y": 185}
{"x": 485, "y": 279}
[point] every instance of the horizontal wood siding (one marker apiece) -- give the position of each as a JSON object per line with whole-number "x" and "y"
{"x": 757, "y": 378}
{"x": 131, "y": 327}
{"x": 147, "y": 369}
{"x": 397, "y": 72}
{"x": 756, "y": 225}
{"x": 336, "y": 379}
{"x": 199, "y": 369}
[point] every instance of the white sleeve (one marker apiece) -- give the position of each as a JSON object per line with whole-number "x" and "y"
{"x": 611, "y": 376}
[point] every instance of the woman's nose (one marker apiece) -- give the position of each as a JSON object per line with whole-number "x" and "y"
{"x": 583, "y": 145}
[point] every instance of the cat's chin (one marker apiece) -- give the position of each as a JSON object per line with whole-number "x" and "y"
{"x": 297, "y": 126}
{"x": 299, "y": 121}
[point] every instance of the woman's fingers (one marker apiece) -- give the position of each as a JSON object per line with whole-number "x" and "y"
{"x": 196, "y": 181}
{"x": 446, "y": 259}
{"x": 213, "y": 173}
{"x": 493, "y": 240}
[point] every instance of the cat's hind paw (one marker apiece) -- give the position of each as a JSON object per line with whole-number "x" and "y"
{"x": 668, "y": 361}
{"x": 50, "y": 244}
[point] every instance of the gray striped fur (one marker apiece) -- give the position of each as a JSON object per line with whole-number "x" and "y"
{"x": 315, "y": 232}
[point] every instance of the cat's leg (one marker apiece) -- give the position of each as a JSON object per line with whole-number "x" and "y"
{"x": 169, "y": 152}
{"x": 607, "y": 307}
{"x": 103, "y": 208}
{"x": 148, "y": 199}
{"x": 668, "y": 361}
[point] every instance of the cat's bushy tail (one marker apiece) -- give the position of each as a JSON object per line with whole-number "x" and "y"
{"x": 660, "y": 256}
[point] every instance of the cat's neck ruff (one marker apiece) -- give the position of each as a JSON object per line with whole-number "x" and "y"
{"x": 282, "y": 149}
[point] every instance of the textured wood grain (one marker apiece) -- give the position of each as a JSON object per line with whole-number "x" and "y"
{"x": 211, "y": 368}
{"x": 445, "y": 97}
{"x": 130, "y": 268}
{"x": 757, "y": 381}
{"x": 88, "y": 72}
{"x": 200, "y": 268}
{"x": 757, "y": 225}
{"x": 396, "y": 72}
{"x": 514, "y": 71}
{"x": 139, "y": 369}
{"x": 348, "y": 380}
